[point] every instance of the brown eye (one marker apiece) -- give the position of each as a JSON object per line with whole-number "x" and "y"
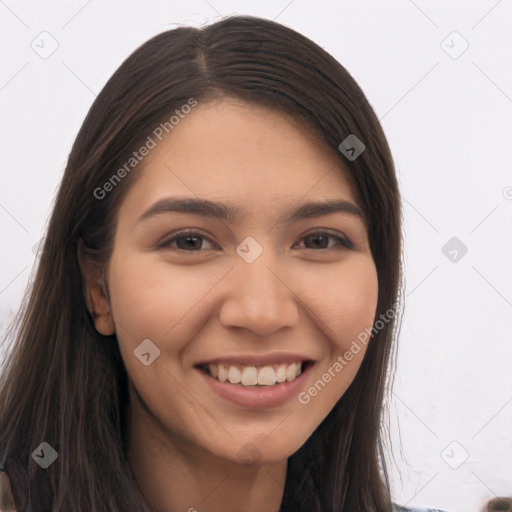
{"x": 189, "y": 241}
{"x": 320, "y": 240}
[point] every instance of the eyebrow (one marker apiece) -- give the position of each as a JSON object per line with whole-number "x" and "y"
{"x": 223, "y": 212}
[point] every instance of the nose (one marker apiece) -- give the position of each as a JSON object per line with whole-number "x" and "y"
{"x": 259, "y": 297}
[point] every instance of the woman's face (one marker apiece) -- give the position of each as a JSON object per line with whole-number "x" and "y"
{"x": 249, "y": 293}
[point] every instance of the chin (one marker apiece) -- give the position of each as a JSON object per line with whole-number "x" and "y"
{"x": 261, "y": 452}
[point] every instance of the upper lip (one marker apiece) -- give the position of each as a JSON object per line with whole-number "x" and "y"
{"x": 258, "y": 360}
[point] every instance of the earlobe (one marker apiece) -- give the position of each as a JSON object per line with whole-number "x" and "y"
{"x": 99, "y": 307}
{"x": 96, "y": 293}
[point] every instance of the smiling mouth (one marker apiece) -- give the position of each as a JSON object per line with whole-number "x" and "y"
{"x": 255, "y": 376}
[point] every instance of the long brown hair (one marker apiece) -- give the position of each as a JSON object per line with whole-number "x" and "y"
{"x": 66, "y": 385}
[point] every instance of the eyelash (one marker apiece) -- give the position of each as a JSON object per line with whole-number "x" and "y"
{"x": 183, "y": 234}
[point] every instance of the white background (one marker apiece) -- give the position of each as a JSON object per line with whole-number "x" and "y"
{"x": 449, "y": 124}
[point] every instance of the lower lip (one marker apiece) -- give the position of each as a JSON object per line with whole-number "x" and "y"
{"x": 258, "y": 397}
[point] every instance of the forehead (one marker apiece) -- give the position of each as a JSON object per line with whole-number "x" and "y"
{"x": 241, "y": 153}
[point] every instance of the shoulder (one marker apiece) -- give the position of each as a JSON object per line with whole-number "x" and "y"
{"x": 398, "y": 508}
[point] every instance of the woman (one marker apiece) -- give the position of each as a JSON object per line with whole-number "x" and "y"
{"x": 249, "y": 372}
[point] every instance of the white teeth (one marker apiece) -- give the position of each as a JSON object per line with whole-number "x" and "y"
{"x": 281, "y": 373}
{"x": 223, "y": 373}
{"x": 290, "y": 372}
{"x": 249, "y": 376}
{"x": 268, "y": 375}
{"x": 234, "y": 375}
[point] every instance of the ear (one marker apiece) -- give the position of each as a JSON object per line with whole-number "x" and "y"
{"x": 96, "y": 292}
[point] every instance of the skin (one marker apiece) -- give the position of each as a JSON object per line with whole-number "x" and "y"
{"x": 199, "y": 304}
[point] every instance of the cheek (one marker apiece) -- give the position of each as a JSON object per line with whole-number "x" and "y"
{"x": 149, "y": 298}
{"x": 343, "y": 311}
{"x": 166, "y": 304}
{"x": 150, "y": 301}
{"x": 344, "y": 301}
